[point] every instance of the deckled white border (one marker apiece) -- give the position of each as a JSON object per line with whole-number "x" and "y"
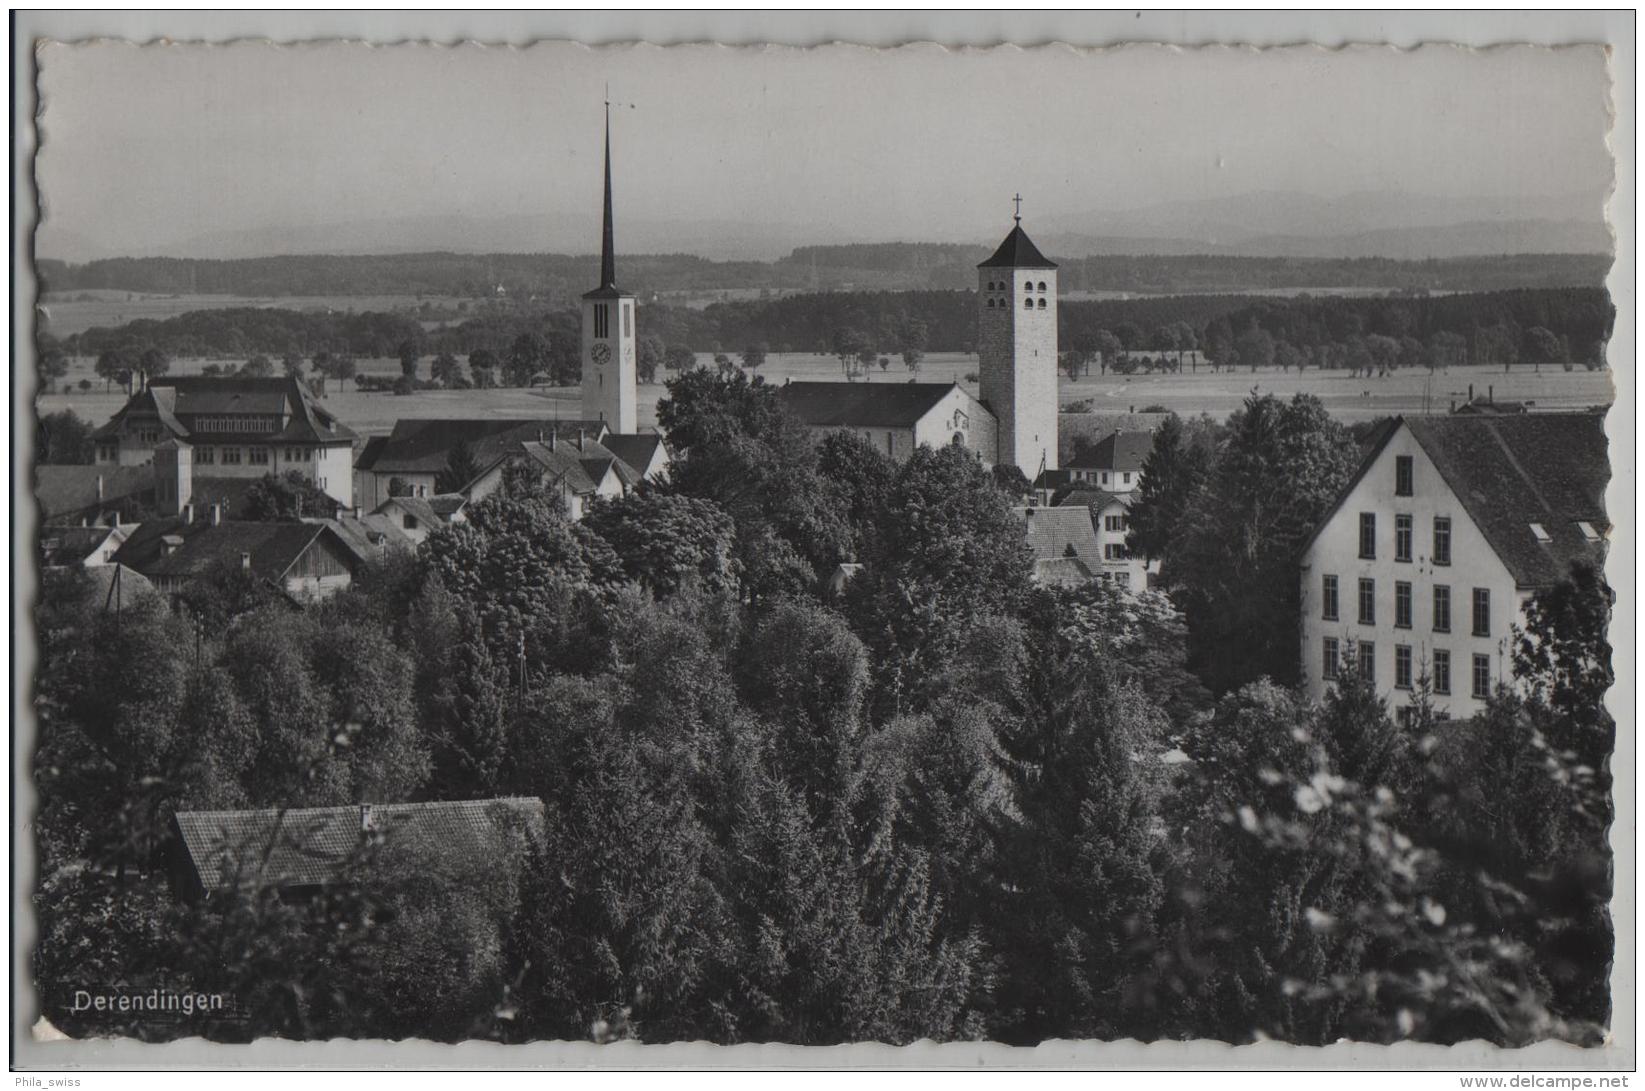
{"x": 973, "y": 29}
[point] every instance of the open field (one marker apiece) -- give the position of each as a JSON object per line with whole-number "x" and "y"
{"x": 77, "y": 311}
{"x": 1405, "y": 392}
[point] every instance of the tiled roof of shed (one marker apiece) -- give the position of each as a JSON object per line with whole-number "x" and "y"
{"x": 1051, "y": 531}
{"x": 862, "y": 405}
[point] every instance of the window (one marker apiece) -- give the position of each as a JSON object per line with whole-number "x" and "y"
{"x": 1127, "y": 479}
{"x": 1402, "y": 538}
{"x": 990, "y": 301}
{"x": 1442, "y": 539}
{"x": 231, "y": 456}
{"x": 1367, "y": 602}
{"x": 1402, "y": 605}
{"x": 257, "y": 456}
{"x": 1482, "y": 677}
{"x": 602, "y": 320}
{"x": 1113, "y": 523}
{"x": 1042, "y": 304}
{"x": 1328, "y": 598}
{"x": 628, "y": 319}
{"x": 1123, "y": 579}
{"x": 1540, "y": 533}
{"x": 1105, "y": 477}
{"x": 1589, "y": 531}
{"x": 1442, "y": 672}
{"x": 410, "y": 521}
{"x": 1402, "y": 666}
{"x": 1367, "y": 660}
{"x": 108, "y": 452}
{"x": 1404, "y": 475}
{"x": 1368, "y": 535}
{"x": 1115, "y": 551}
{"x": 1332, "y": 654}
{"x": 1042, "y": 285}
{"x": 205, "y": 455}
{"x": 1482, "y": 611}
{"x": 1028, "y": 304}
{"x": 1442, "y": 608}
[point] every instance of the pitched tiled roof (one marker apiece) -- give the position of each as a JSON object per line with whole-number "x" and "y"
{"x": 862, "y": 405}
{"x": 1018, "y": 252}
{"x": 118, "y": 586}
{"x": 1052, "y": 530}
{"x": 67, "y": 492}
{"x": 638, "y": 449}
{"x": 273, "y": 547}
{"x": 1116, "y": 452}
{"x": 1063, "y": 570}
{"x": 1511, "y": 471}
{"x": 424, "y": 446}
{"x": 1092, "y": 499}
{"x": 182, "y": 400}
{"x": 367, "y": 536}
{"x": 157, "y": 399}
{"x": 61, "y": 546}
{"x": 310, "y": 846}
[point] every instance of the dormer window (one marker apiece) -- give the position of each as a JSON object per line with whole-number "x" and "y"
{"x": 1589, "y": 531}
{"x": 1540, "y": 533}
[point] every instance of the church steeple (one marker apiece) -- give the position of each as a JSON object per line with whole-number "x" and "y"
{"x": 608, "y": 247}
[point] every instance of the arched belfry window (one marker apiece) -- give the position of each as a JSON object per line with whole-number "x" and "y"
{"x": 1028, "y": 304}
{"x": 990, "y": 302}
{"x": 1042, "y": 304}
{"x": 1042, "y": 285}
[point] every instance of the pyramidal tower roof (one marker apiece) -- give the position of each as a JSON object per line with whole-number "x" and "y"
{"x": 1018, "y": 252}
{"x": 608, "y": 248}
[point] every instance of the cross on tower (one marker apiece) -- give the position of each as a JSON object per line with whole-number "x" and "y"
{"x": 1018, "y": 201}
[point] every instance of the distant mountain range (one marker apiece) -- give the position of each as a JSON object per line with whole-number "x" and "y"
{"x": 1276, "y": 224}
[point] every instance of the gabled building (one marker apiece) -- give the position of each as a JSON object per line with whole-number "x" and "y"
{"x": 895, "y": 418}
{"x": 234, "y": 428}
{"x": 416, "y": 517}
{"x": 84, "y": 495}
{"x": 1423, "y": 565}
{"x": 302, "y": 850}
{"x": 82, "y": 547}
{"x": 304, "y": 560}
{"x": 1114, "y": 464}
{"x": 1111, "y": 522}
{"x": 413, "y": 457}
{"x": 575, "y": 468}
{"x": 1064, "y": 542}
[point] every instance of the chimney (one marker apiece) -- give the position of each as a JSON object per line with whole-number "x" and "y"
{"x": 99, "y": 487}
{"x": 217, "y": 515}
{"x": 1470, "y": 393}
{"x": 367, "y": 820}
{"x": 579, "y": 439}
{"x": 188, "y": 513}
{"x": 245, "y": 562}
{"x": 357, "y": 511}
{"x": 116, "y": 523}
{"x": 1490, "y": 393}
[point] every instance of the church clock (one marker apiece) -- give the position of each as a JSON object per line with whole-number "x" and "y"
{"x": 600, "y": 353}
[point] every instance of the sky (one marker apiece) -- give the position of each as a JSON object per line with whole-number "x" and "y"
{"x": 145, "y": 148}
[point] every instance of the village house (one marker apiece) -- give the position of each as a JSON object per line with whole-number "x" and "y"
{"x": 1114, "y": 463}
{"x": 1111, "y": 523}
{"x": 234, "y": 428}
{"x": 1420, "y": 570}
{"x": 575, "y": 468}
{"x": 1064, "y": 543}
{"x": 304, "y": 560}
{"x": 413, "y": 458}
{"x": 305, "y": 849}
{"x": 89, "y": 495}
{"x": 416, "y": 517}
{"x": 83, "y": 547}
{"x": 895, "y": 418}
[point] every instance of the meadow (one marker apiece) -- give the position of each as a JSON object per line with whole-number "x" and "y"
{"x": 1350, "y": 398}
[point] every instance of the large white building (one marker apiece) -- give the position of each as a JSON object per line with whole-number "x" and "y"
{"x": 227, "y": 428}
{"x": 1422, "y": 567}
{"x": 1013, "y": 419}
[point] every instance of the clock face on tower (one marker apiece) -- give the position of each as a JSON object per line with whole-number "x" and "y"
{"x": 600, "y": 353}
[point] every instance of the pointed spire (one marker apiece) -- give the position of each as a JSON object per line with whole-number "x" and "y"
{"x": 608, "y": 249}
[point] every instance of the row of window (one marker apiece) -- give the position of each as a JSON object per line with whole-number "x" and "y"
{"x": 1330, "y": 605}
{"x": 1005, "y": 286}
{"x": 1404, "y": 530}
{"x": 1115, "y": 551}
{"x": 235, "y": 423}
{"x": 602, "y": 320}
{"x": 255, "y": 456}
{"x": 1439, "y": 670}
{"x": 1027, "y": 304}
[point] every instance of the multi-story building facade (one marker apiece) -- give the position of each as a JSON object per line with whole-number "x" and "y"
{"x": 234, "y": 428}
{"x": 1419, "y": 573}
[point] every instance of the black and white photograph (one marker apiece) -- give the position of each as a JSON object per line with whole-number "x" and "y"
{"x": 644, "y": 544}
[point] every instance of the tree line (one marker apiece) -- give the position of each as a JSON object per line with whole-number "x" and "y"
{"x": 557, "y": 279}
{"x": 939, "y": 802}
